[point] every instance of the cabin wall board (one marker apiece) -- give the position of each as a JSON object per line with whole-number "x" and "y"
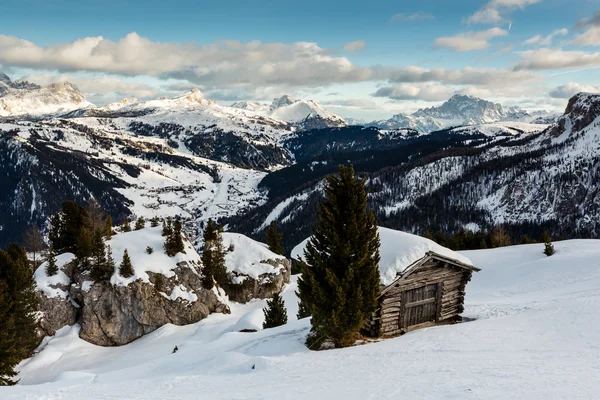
{"x": 449, "y": 297}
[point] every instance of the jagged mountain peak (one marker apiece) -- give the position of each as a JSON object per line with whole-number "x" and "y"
{"x": 581, "y": 112}
{"x": 25, "y": 98}
{"x": 193, "y": 96}
{"x": 282, "y": 101}
{"x": 460, "y": 109}
{"x": 4, "y": 78}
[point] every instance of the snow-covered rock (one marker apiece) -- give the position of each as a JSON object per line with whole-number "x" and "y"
{"x": 162, "y": 290}
{"x": 256, "y": 272}
{"x": 398, "y": 251}
{"x": 252, "y": 321}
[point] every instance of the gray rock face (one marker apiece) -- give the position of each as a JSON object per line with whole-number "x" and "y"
{"x": 55, "y": 313}
{"x": 112, "y": 315}
{"x": 265, "y": 286}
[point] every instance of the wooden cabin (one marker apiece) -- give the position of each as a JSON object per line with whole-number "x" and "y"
{"x": 428, "y": 292}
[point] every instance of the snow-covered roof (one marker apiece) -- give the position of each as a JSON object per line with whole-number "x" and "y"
{"x": 247, "y": 256}
{"x": 398, "y": 251}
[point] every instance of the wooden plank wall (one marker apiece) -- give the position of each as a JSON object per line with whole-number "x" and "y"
{"x": 386, "y": 320}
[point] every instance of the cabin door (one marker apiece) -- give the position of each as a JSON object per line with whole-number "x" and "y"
{"x": 419, "y": 305}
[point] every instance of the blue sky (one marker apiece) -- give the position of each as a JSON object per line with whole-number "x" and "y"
{"x": 365, "y": 59}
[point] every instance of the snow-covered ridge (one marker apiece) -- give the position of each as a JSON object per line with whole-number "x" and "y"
{"x": 398, "y": 251}
{"x": 244, "y": 256}
{"x": 17, "y": 98}
{"x": 291, "y": 110}
{"x": 24, "y": 98}
{"x": 457, "y": 111}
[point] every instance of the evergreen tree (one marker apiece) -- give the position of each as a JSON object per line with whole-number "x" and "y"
{"x": 110, "y": 262}
{"x": 341, "y": 277}
{"x": 126, "y": 269}
{"x": 9, "y": 354}
{"x": 545, "y": 237}
{"x": 125, "y": 227}
{"x": 154, "y": 222}
{"x": 18, "y": 304}
{"x": 213, "y": 257}
{"x": 548, "y": 249}
{"x": 51, "y": 267}
{"x": 100, "y": 270}
{"x": 140, "y": 223}
{"x": 274, "y": 239}
{"x": 275, "y": 312}
{"x": 178, "y": 246}
{"x": 108, "y": 226}
{"x": 84, "y": 245}
{"x": 34, "y": 242}
{"x": 55, "y": 232}
{"x": 427, "y": 234}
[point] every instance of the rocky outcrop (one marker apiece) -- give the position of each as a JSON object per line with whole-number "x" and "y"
{"x": 54, "y": 313}
{"x": 265, "y": 286}
{"x": 116, "y": 314}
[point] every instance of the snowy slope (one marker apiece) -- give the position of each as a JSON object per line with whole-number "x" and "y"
{"x": 398, "y": 251}
{"x": 535, "y": 336}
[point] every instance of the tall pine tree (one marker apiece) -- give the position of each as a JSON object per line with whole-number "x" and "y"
{"x": 274, "y": 239}
{"x": 100, "y": 268}
{"x": 340, "y": 280}
{"x": 51, "y": 267}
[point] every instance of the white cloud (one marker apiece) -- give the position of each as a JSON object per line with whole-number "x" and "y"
{"x": 495, "y": 11}
{"x": 594, "y": 21}
{"x": 569, "y": 89}
{"x": 547, "y": 40}
{"x": 465, "y": 76}
{"x": 229, "y": 63}
{"x": 97, "y": 85}
{"x": 591, "y": 37}
{"x": 543, "y": 59}
{"x": 355, "y": 46}
{"x": 417, "y": 16}
{"x": 470, "y": 41}
{"x": 429, "y": 92}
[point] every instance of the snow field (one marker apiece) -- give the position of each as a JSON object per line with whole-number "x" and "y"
{"x": 535, "y": 335}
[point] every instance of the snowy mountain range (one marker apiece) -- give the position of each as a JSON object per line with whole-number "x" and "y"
{"x": 459, "y": 110}
{"x": 246, "y": 165}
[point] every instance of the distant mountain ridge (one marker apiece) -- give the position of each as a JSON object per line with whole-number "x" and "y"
{"x": 307, "y": 114}
{"x": 22, "y": 97}
{"x": 459, "y": 110}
